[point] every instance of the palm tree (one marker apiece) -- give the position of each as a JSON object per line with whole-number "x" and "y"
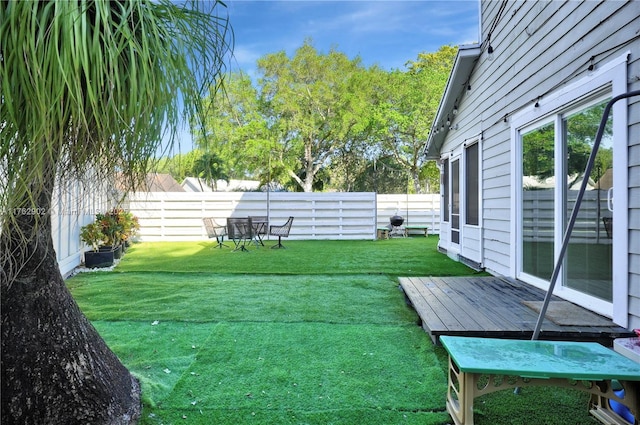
{"x": 209, "y": 168}
{"x": 84, "y": 85}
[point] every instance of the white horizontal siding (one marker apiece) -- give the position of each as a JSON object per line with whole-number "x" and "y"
{"x": 634, "y": 192}
{"x": 539, "y": 47}
{"x": 178, "y": 216}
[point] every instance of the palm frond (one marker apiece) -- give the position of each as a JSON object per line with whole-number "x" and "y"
{"x": 96, "y": 85}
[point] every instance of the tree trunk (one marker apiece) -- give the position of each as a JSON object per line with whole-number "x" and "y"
{"x": 56, "y": 369}
{"x": 308, "y": 183}
{"x": 415, "y": 175}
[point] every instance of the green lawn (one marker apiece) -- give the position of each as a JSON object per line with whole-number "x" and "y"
{"x": 317, "y": 333}
{"x": 396, "y": 257}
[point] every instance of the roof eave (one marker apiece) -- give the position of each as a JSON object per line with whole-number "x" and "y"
{"x": 458, "y": 79}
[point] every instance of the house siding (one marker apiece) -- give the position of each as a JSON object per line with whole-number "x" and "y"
{"x": 539, "y": 48}
{"x": 74, "y": 204}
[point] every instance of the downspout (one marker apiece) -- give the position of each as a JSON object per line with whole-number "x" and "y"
{"x": 481, "y": 210}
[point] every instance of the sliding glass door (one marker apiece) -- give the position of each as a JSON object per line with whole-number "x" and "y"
{"x": 589, "y": 257}
{"x": 554, "y": 154}
{"x": 538, "y": 201}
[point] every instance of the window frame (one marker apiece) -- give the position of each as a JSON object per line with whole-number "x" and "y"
{"x": 476, "y": 199}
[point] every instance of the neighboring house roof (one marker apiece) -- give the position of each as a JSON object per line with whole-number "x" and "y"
{"x": 456, "y": 85}
{"x": 194, "y": 184}
{"x": 156, "y": 182}
{"x": 153, "y": 182}
{"x": 606, "y": 181}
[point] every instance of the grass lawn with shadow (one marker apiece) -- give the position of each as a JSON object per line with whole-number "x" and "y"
{"x": 317, "y": 333}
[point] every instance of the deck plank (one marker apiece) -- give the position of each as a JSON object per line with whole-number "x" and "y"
{"x": 421, "y": 305}
{"x": 435, "y": 301}
{"x": 491, "y": 306}
{"x": 453, "y": 320}
{"x": 466, "y": 309}
{"x": 498, "y": 299}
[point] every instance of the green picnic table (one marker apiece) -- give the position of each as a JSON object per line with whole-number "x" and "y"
{"x": 421, "y": 229}
{"x": 383, "y": 232}
{"x": 478, "y": 366}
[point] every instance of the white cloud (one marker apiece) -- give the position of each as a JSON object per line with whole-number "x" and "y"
{"x": 385, "y": 32}
{"x": 245, "y": 55}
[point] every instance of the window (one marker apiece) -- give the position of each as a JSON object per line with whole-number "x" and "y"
{"x": 538, "y": 186}
{"x": 445, "y": 190}
{"x": 455, "y": 200}
{"x": 589, "y": 257}
{"x": 472, "y": 185}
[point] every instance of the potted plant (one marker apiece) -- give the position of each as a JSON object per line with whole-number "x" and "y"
{"x": 92, "y": 235}
{"x": 130, "y": 226}
{"x": 112, "y": 230}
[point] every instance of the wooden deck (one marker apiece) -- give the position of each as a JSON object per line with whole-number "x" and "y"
{"x": 499, "y": 307}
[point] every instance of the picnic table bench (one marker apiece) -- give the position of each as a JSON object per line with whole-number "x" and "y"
{"x": 479, "y": 366}
{"x": 421, "y": 229}
{"x": 383, "y": 232}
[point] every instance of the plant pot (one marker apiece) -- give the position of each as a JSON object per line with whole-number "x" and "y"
{"x": 117, "y": 251}
{"x": 96, "y": 259}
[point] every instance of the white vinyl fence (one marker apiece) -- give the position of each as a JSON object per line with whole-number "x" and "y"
{"x": 177, "y": 216}
{"x": 417, "y": 210}
{"x": 539, "y": 216}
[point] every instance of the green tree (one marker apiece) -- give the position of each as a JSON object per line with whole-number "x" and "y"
{"x": 538, "y": 152}
{"x": 349, "y": 168}
{"x": 86, "y": 85}
{"x": 180, "y": 165}
{"x": 581, "y": 129}
{"x": 237, "y": 129}
{"x": 320, "y": 120}
{"x": 406, "y": 108}
{"x": 315, "y": 104}
{"x": 382, "y": 175}
{"x": 209, "y": 168}
{"x": 440, "y": 61}
{"x": 430, "y": 175}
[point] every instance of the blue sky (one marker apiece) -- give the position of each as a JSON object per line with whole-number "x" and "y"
{"x": 383, "y": 32}
{"x": 387, "y": 33}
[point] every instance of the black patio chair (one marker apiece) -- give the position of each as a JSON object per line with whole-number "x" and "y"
{"x": 240, "y": 231}
{"x": 608, "y": 226}
{"x": 280, "y": 232}
{"x": 215, "y": 230}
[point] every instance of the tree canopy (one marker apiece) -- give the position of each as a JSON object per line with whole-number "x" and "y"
{"x": 579, "y": 131}
{"x": 317, "y": 101}
{"x": 321, "y": 120}
{"x": 407, "y": 104}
